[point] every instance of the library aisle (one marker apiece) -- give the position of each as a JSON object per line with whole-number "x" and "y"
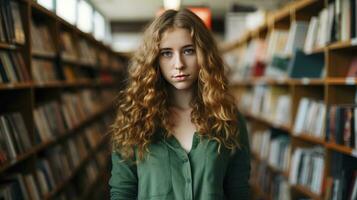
{"x": 292, "y": 70}
{"x": 295, "y": 81}
{"x": 57, "y": 88}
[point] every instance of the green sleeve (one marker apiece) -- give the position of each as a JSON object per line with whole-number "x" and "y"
{"x": 236, "y": 180}
{"x": 123, "y": 181}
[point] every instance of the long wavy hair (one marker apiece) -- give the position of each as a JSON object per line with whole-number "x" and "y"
{"x": 143, "y": 106}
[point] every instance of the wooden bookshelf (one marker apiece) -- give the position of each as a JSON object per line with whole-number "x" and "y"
{"x": 334, "y": 87}
{"x": 97, "y": 78}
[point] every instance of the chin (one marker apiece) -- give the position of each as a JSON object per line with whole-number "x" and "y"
{"x": 182, "y": 86}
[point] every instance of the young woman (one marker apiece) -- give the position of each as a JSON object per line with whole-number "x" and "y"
{"x": 178, "y": 134}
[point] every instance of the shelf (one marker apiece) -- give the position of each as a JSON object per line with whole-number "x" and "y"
{"x": 341, "y": 45}
{"x": 43, "y": 146}
{"x": 7, "y": 46}
{"x": 307, "y": 81}
{"x": 18, "y": 160}
{"x": 63, "y": 184}
{"x": 285, "y": 128}
{"x": 12, "y": 86}
{"x": 281, "y": 15}
{"x": 342, "y": 81}
{"x": 309, "y": 138}
{"x": 278, "y": 171}
{"x": 341, "y": 148}
{"x": 316, "y": 51}
{"x": 43, "y": 55}
{"x": 93, "y": 185}
{"x": 308, "y": 5}
{"x": 306, "y": 192}
{"x": 279, "y": 81}
{"x": 259, "y": 192}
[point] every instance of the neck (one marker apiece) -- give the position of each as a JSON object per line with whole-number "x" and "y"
{"x": 181, "y": 99}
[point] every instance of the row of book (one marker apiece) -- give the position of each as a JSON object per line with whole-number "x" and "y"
{"x": 57, "y": 164}
{"x": 85, "y": 52}
{"x": 339, "y": 184}
{"x": 82, "y": 52}
{"x": 73, "y": 73}
{"x": 287, "y": 53}
{"x": 53, "y": 119}
{"x": 341, "y": 125}
{"x": 273, "y": 147}
{"x": 307, "y": 168}
{"x": 333, "y": 123}
{"x": 342, "y": 181}
{"x": 263, "y": 177}
{"x": 270, "y": 59}
{"x": 68, "y": 51}
{"x": 11, "y": 25}
{"x": 12, "y": 67}
{"x": 18, "y": 186}
{"x": 336, "y": 22}
{"x": 310, "y": 118}
{"x": 41, "y": 39}
{"x": 272, "y": 103}
{"x": 44, "y": 71}
{"x": 14, "y": 137}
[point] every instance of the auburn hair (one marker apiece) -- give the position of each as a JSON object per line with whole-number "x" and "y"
{"x": 143, "y": 106}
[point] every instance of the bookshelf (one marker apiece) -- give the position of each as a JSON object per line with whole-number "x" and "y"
{"x": 57, "y": 88}
{"x": 313, "y": 86}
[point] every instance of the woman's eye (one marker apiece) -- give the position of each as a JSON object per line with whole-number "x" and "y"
{"x": 166, "y": 54}
{"x": 189, "y": 51}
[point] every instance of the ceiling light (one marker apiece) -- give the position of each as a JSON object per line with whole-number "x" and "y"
{"x": 172, "y": 4}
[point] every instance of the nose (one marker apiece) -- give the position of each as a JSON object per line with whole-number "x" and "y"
{"x": 179, "y": 64}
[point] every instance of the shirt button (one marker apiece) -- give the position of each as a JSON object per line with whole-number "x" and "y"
{"x": 188, "y": 181}
{"x": 185, "y": 160}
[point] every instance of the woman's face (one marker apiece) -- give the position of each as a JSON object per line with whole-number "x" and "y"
{"x": 178, "y": 58}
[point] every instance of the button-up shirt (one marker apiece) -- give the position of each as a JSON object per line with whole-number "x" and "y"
{"x": 168, "y": 172}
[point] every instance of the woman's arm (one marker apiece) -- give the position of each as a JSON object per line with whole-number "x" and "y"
{"x": 123, "y": 182}
{"x": 236, "y": 184}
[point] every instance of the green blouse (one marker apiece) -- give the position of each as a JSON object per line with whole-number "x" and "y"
{"x": 170, "y": 173}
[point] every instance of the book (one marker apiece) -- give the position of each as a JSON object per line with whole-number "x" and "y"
{"x": 278, "y": 66}
{"x": 9, "y": 68}
{"x": 41, "y": 39}
{"x": 307, "y": 168}
{"x": 352, "y": 71}
{"x": 44, "y": 71}
{"x": 341, "y": 125}
{"x": 297, "y": 36}
{"x": 19, "y": 35}
{"x": 68, "y": 49}
{"x": 306, "y": 66}
{"x": 311, "y": 35}
{"x": 2, "y": 28}
{"x": 5, "y": 12}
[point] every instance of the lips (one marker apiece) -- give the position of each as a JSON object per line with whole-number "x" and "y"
{"x": 181, "y": 77}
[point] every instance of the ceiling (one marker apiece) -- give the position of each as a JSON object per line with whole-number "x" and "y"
{"x": 138, "y": 10}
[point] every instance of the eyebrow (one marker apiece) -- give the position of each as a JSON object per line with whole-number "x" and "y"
{"x": 168, "y": 48}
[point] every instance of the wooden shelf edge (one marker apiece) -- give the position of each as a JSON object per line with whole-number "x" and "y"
{"x": 260, "y": 192}
{"x": 45, "y": 55}
{"x": 309, "y": 138}
{"x": 306, "y": 191}
{"x": 11, "y": 86}
{"x": 7, "y": 46}
{"x": 340, "y": 148}
{"x": 269, "y": 123}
